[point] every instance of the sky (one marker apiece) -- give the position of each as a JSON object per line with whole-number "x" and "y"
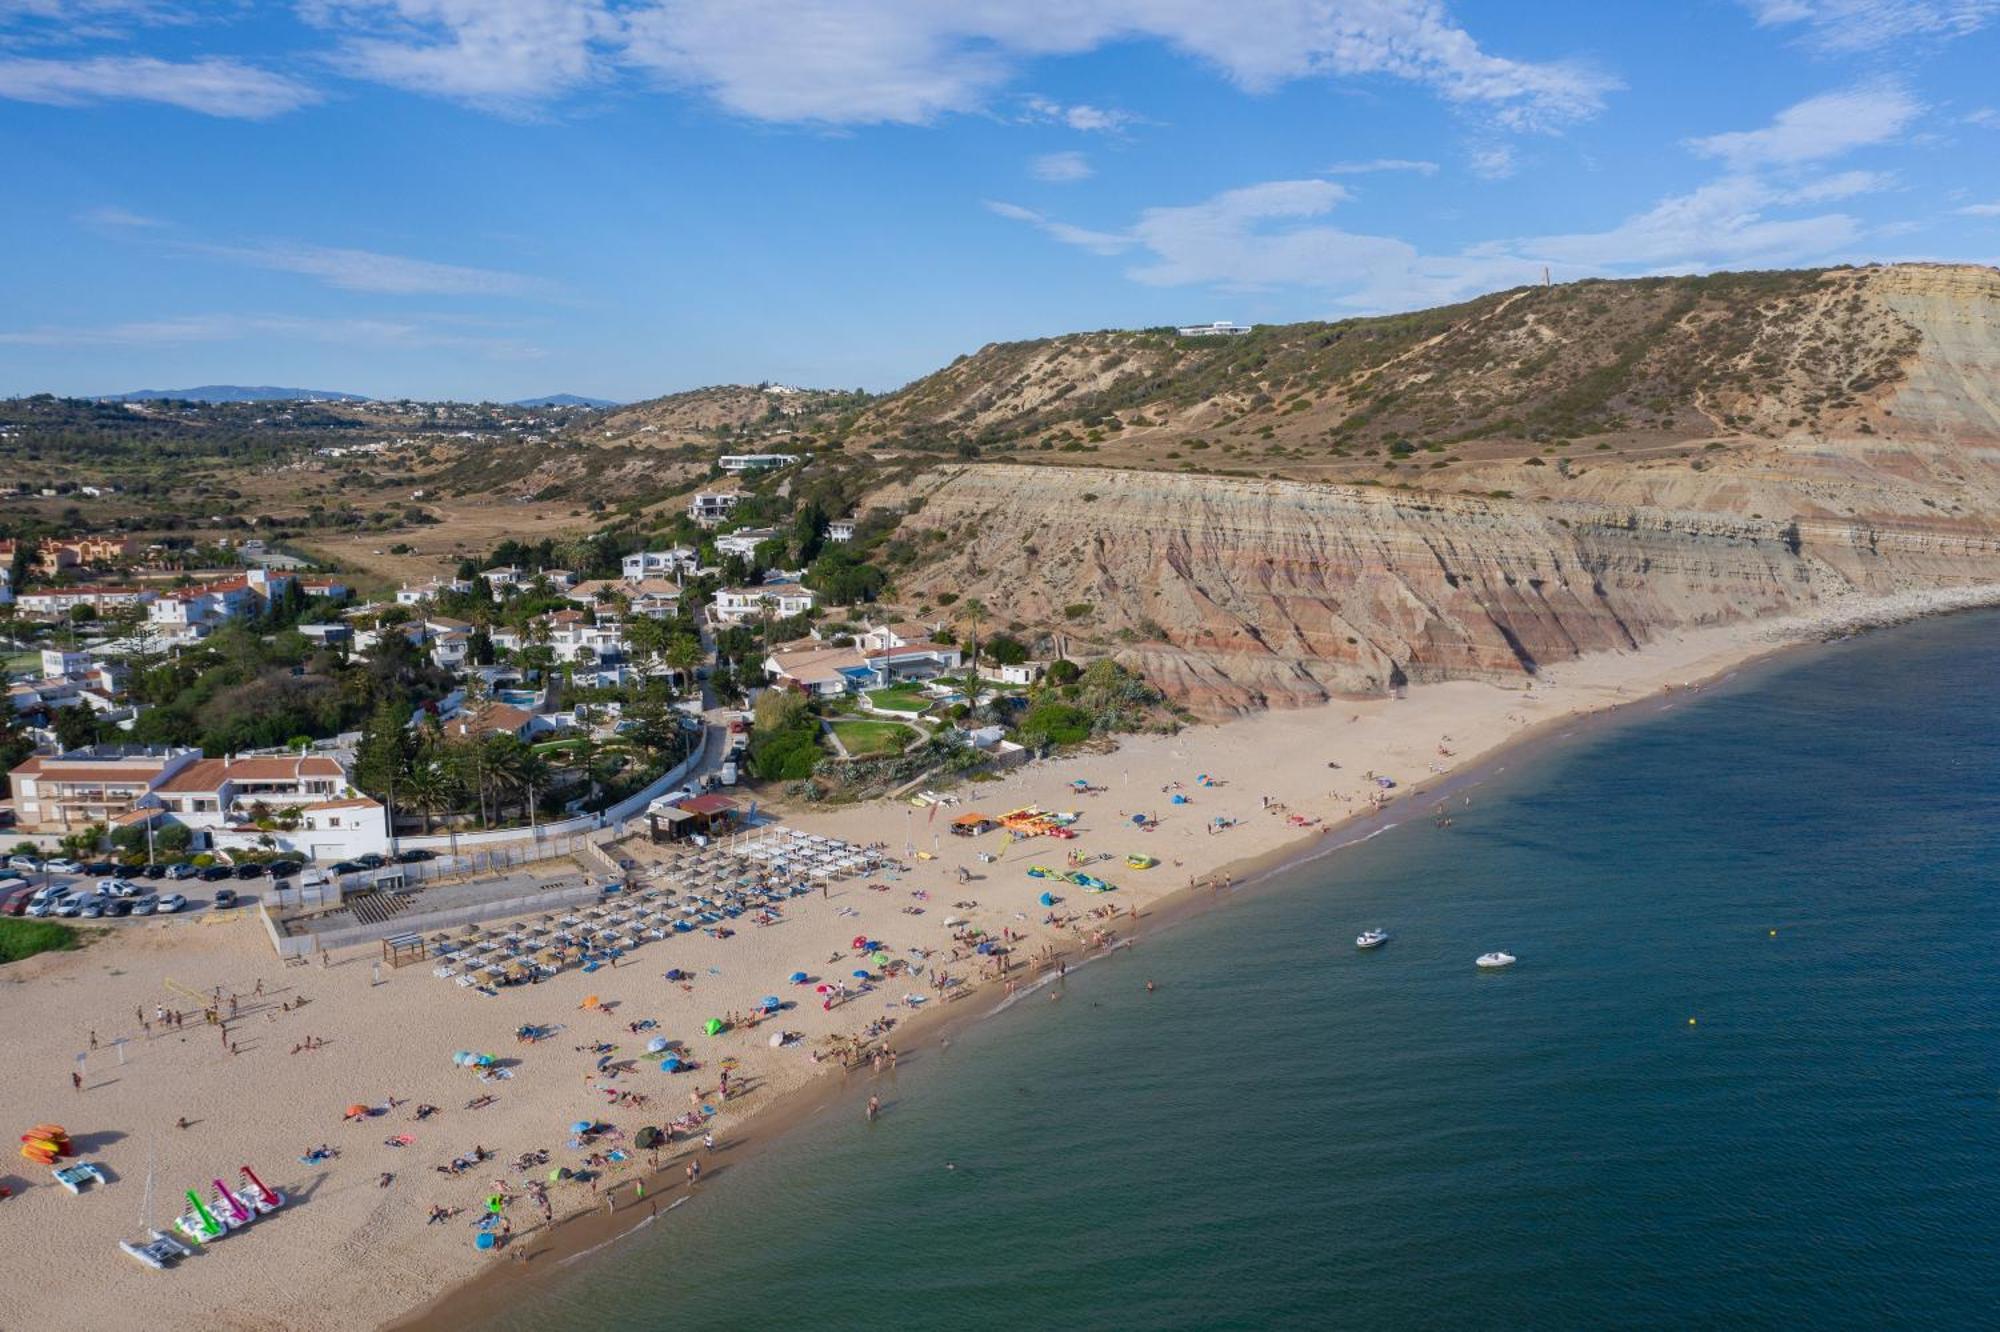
{"x": 493, "y": 199}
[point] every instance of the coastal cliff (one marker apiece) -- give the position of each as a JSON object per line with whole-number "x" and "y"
{"x": 1714, "y": 451}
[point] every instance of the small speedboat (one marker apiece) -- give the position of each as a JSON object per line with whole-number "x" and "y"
{"x": 1372, "y": 939}
{"x": 1494, "y": 961}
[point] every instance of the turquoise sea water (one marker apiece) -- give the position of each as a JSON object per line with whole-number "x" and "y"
{"x": 1290, "y": 1133}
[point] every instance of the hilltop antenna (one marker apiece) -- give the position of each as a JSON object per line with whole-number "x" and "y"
{"x": 1545, "y": 275}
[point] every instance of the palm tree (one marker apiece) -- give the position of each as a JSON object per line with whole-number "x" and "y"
{"x": 973, "y": 609}
{"x": 506, "y": 767}
{"x": 684, "y": 656}
{"x": 429, "y": 790}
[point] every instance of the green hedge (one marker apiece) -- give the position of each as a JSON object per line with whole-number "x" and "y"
{"x": 25, "y": 938}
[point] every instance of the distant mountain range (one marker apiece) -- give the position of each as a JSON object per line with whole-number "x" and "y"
{"x": 236, "y": 393}
{"x": 562, "y": 400}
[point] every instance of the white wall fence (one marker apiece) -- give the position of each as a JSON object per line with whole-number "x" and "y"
{"x": 424, "y": 922}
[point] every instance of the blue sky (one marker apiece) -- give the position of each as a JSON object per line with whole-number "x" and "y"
{"x": 497, "y": 198}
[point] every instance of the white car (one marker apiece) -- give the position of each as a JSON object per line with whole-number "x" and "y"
{"x": 63, "y": 867}
{"x": 118, "y": 887}
{"x": 143, "y": 906}
{"x": 171, "y": 902}
{"x": 74, "y": 904}
{"x": 47, "y": 906}
{"x": 26, "y": 864}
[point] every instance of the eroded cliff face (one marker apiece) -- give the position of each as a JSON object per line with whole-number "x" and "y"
{"x": 1852, "y": 446}
{"x": 1235, "y": 594}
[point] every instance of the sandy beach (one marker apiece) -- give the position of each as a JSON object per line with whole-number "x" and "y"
{"x": 353, "y": 1246}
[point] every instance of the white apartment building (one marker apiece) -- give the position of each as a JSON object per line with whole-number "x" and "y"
{"x": 734, "y": 605}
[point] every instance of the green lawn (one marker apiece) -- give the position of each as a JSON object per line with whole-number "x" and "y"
{"x": 21, "y": 663}
{"x": 899, "y": 698}
{"x": 867, "y": 739}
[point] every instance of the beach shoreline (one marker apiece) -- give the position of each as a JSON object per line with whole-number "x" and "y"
{"x": 422, "y": 1283}
{"x": 577, "y": 1237}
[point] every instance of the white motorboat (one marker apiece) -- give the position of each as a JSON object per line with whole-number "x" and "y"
{"x": 1494, "y": 961}
{"x": 1372, "y": 939}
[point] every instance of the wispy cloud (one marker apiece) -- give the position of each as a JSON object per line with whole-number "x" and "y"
{"x": 1816, "y": 129}
{"x": 1380, "y": 164}
{"x": 186, "y": 330}
{"x": 1061, "y": 168}
{"x": 365, "y": 270}
{"x": 501, "y": 54}
{"x": 213, "y": 86}
{"x": 1979, "y": 210}
{"x": 112, "y": 218}
{"x": 1081, "y": 116}
{"x": 1097, "y": 242}
{"x": 873, "y": 61}
{"x": 1492, "y": 161}
{"x": 1862, "y": 25}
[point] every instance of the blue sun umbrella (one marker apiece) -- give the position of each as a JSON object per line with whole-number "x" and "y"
{"x": 672, "y": 1063}
{"x": 657, "y": 1044}
{"x": 860, "y": 974}
{"x": 582, "y": 1126}
{"x": 798, "y": 978}
{"x": 1047, "y": 899}
{"x": 771, "y": 1001}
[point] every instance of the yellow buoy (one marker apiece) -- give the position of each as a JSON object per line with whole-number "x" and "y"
{"x": 1774, "y": 934}
{"x": 1690, "y": 1022}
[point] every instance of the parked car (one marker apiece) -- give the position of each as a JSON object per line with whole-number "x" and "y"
{"x": 178, "y": 870}
{"x": 156, "y": 870}
{"x": 47, "y": 902}
{"x": 101, "y": 868}
{"x": 345, "y": 867}
{"x": 15, "y": 901}
{"x": 371, "y": 861}
{"x": 143, "y": 906}
{"x": 118, "y": 906}
{"x": 214, "y": 873}
{"x": 26, "y": 864}
{"x": 225, "y": 897}
{"x": 256, "y": 869}
{"x": 171, "y": 902}
{"x": 72, "y": 904}
{"x": 62, "y": 866}
{"x": 284, "y": 869}
{"x": 93, "y": 906}
{"x": 414, "y": 856}
{"x": 117, "y": 887}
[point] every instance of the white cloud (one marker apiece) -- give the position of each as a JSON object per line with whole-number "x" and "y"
{"x": 1061, "y": 168}
{"x": 1380, "y": 164}
{"x": 1097, "y": 242}
{"x": 1492, "y": 161}
{"x": 365, "y": 270}
{"x": 212, "y": 85}
{"x": 1861, "y": 25}
{"x": 501, "y": 54}
{"x": 1979, "y": 210}
{"x": 1082, "y": 116}
{"x": 911, "y": 61}
{"x": 1277, "y": 235}
{"x": 115, "y": 218}
{"x": 1724, "y": 222}
{"x": 1816, "y": 129}
{"x": 1985, "y": 117}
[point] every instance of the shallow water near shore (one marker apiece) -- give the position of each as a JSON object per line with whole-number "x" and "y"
{"x": 1290, "y": 1132}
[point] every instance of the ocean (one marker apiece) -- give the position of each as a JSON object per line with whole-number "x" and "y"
{"x": 1746, "y": 1072}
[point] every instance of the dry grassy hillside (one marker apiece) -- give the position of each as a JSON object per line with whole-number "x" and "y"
{"x": 1630, "y": 369}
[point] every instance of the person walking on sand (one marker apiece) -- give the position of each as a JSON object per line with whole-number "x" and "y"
{"x": 76, "y": 1079}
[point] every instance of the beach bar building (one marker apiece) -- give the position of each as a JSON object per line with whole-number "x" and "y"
{"x": 972, "y": 825}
